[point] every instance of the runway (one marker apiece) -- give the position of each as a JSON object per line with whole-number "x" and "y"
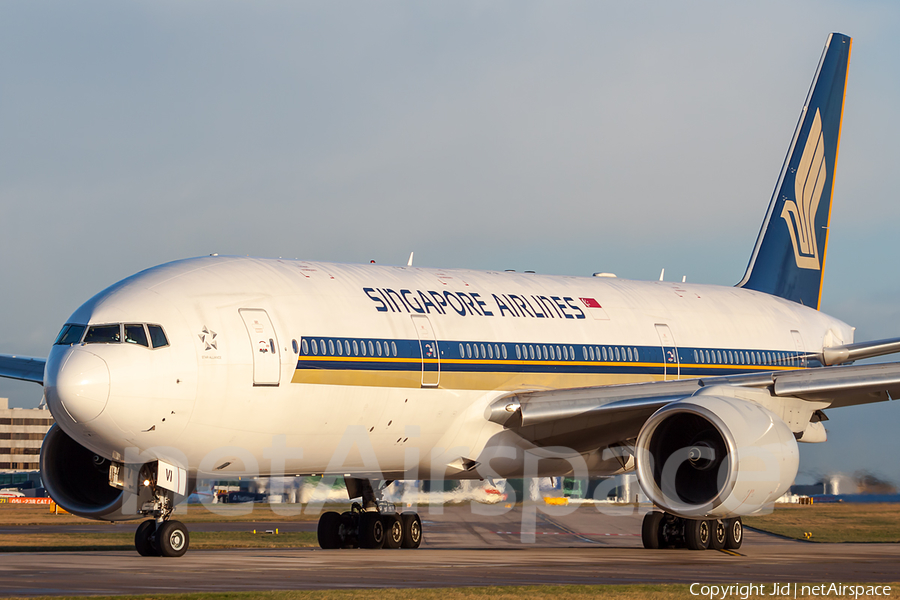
{"x": 460, "y": 549}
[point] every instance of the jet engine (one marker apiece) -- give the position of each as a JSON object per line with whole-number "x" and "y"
{"x": 78, "y": 480}
{"x": 715, "y": 456}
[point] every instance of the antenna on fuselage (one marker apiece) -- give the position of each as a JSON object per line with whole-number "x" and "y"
{"x": 409, "y": 262}
{"x": 662, "y": 274}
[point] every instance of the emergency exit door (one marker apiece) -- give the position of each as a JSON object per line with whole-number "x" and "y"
{"x": 428, "y": 350}
{"x": 671, "y": 361}
{"x": 263, "y": 346}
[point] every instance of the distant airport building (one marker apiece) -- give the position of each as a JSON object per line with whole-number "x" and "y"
{"x": 22, "y": 431}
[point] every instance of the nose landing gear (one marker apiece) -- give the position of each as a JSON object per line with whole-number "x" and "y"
{"x": 159, "y": 536}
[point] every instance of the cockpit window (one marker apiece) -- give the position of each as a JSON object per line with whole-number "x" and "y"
{"x": 157, "y": 336}
{"x": 103, "y": 334}
{"x": 70, "y": 334}
{"x": 135, "y": 334}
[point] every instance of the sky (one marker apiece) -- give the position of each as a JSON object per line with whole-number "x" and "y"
{"x": 564, "y": 137}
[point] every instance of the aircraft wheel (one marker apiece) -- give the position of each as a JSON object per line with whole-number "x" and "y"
{"x": 371, "y": 531}
{"x": 393, "y": 527}
{"x": 718, "y": 535}
{"x": 328, "y": 531}
{"x": 650, "y": 530}
{"x": 696, "y": 534}
{"x": 142, "y": 538}
{"x": 172, "y": 539}
{"x": 734, "y": 529}
{"x": 412, "y": 530}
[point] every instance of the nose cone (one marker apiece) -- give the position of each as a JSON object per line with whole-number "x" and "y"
{"x": 81, "y": 385}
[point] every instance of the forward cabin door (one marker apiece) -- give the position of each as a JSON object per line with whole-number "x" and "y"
{"x": 671, "y": 362}
{"x": 264, "y": 346}
{"x": 428, "y": 350}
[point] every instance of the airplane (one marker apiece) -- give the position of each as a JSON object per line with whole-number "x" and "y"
{"x": 222, "y": 366}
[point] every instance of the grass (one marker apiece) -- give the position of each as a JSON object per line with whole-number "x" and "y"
{"x": 25, "y": 514}
{"x": 838, "y": 522}
{"x": 561, "y": 592}
{"x": 200, "y": 540}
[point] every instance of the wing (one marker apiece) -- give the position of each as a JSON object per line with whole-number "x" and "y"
{"x": 585, "y": 419}
{"x": 25, "y": 368}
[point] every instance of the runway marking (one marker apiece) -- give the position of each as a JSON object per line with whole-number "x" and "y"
{"x": 731, "y": 552}
{"x": 565, "y": 533}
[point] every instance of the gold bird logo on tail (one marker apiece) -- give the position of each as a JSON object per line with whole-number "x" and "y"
{"x": 809, "y": 182}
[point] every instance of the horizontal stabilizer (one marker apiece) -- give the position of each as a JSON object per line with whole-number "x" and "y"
{"x": 24, "y": 368}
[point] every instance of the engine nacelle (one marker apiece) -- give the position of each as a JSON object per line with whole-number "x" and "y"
{"x": 78, "y": 480}
{"x": 715, "y": 456}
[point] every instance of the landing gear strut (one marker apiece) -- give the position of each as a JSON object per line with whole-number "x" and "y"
{"x": 663, "y": 530}
{"x": 370, "y": 524}
{"x": 159, "y": 536}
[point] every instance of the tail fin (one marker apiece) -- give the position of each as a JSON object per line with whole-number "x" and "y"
{"x": 789, "y": 256}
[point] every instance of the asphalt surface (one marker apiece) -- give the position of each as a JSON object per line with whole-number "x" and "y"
{"x": 460, "y": 549}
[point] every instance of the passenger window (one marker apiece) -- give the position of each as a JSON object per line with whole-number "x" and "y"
{"x": 315, "y": 347}
{"x": 70, "y": 334}
{"x": 475, "y": 352}
{"x": 347, "y": 347}
{"x": 340, "y": 348}
{"x": 518, "y": 352}
{"x": 497, "y": 351}
{"x": 394, "y": 348}
{"x": 355, "y": 348}
{"x": 483, "y": 354}
{"x": 630, "y": 356}
{"x": 462, "y": 351}
{"x": 531, "y": 352}
{"x": 566, "y": 354}
{"x": 371, "y": 349}
{"x": 503, "y": 347}
{"x": 584, "y": 352}
{"x": 696, "y": 358}
{"x": 305, "y": 345}
{"x": 636, "y": 355}
{"x": 272, "y": 345}
{"x": 553, "y": 354}
{"x": 157, "y": 336}
{"x": 490, "y": 351}
{"x": 468, "y": 351}
{"x": 135, "y": 334}
{"x": 603, "y": 349}
{"x": 295, "y": 346}
{"x": 103, "y": 334}
{"x": 331, "y": 347}
{"x": 386, "y": 351}
{"x": 378, "y": 348}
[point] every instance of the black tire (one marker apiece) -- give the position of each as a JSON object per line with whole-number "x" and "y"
{"x": 718, "y": 534}
{"x": 734, "y": 533}
{"x": 328, "y": 531}
{"x": 412, "y": 530}
{"x": 143, "y": 541}
{"x": 371, "y": 531}
{"x": 393, "y": 530}
{"x": 650, "y": 530}
{"x": 172, "y": 539}
{"x": 696, "y": 534}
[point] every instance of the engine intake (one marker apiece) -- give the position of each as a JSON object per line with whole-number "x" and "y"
{"x": 715, "y": 456}
{"x": 77, "y": 479}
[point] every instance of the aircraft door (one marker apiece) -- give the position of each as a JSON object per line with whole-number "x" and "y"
{"x": 428, "y": 351}
{"x": 798, "y": 344}
{"x": 264, "y": 347}
{"x": 671, "y": 362}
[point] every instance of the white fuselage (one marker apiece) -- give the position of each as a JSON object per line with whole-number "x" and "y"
{"x": 278, "y": 366}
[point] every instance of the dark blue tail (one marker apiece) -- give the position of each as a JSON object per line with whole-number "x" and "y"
{"x": 789, "y": 256}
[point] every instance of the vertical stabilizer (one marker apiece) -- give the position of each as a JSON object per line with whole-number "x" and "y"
{"x": 789, "y": 256}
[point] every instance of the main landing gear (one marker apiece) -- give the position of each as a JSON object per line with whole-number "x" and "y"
{"x": 372, "y": 524}
{"x": 663, "y": 530}
{"x": 159, "y": 536}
